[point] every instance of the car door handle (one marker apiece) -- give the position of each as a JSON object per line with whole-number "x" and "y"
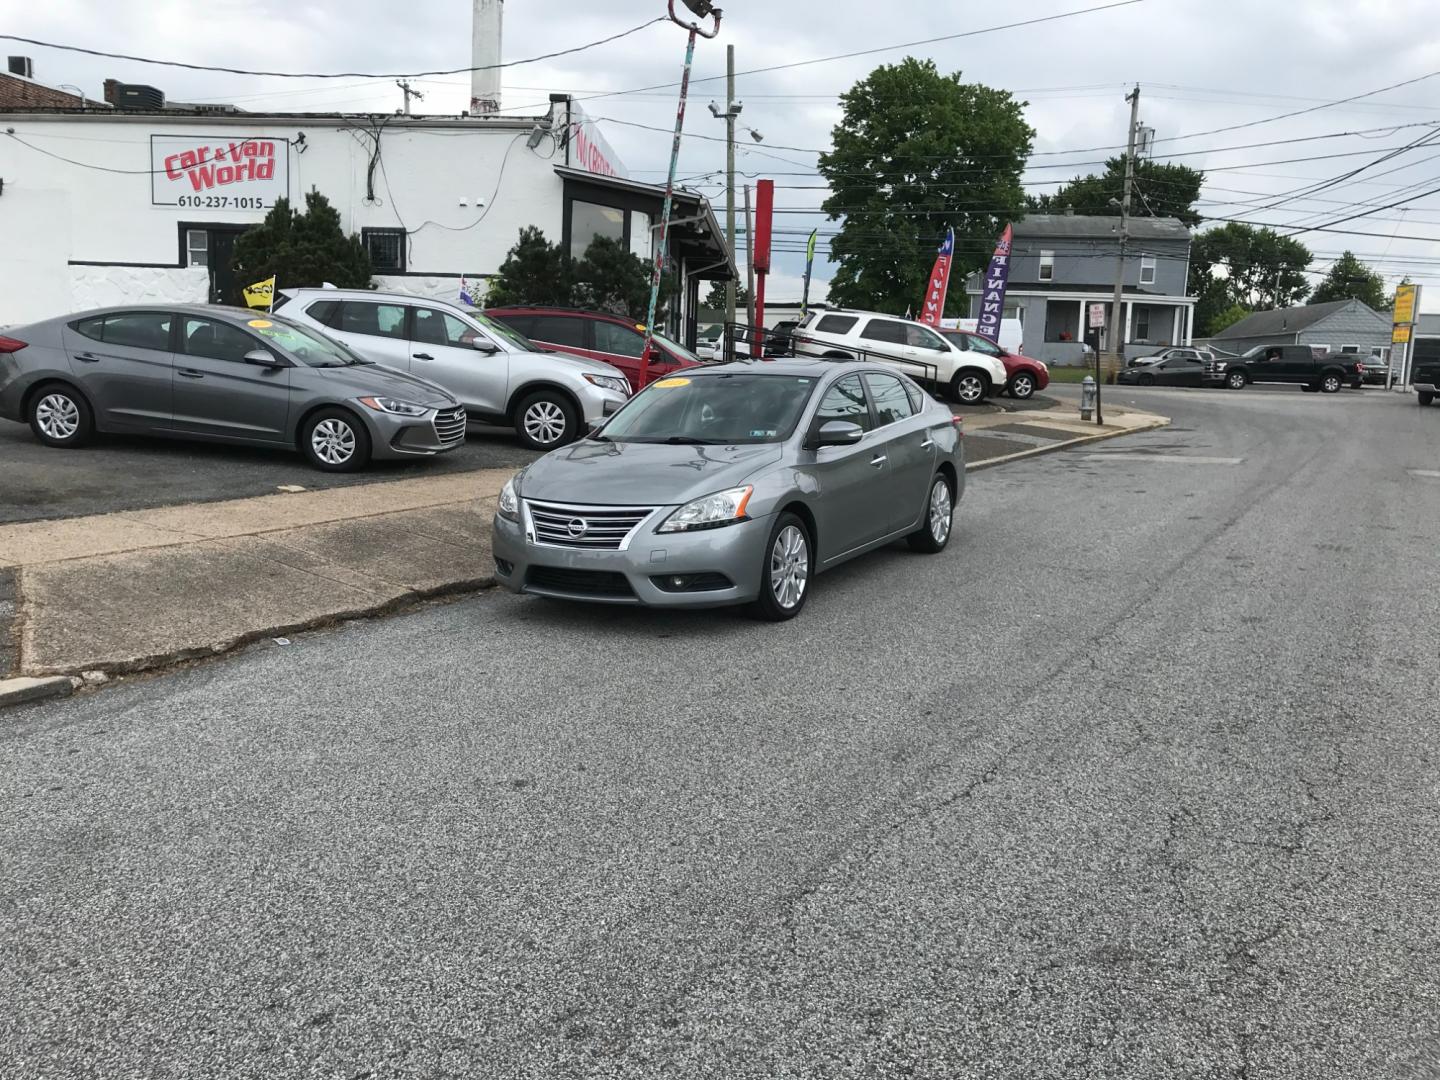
{"x": 89, "y": 358}
{"x": 423, "y": 356}
{"x": 929, "y": 442}
{"x": 878, "y": 460}
{"x": 189, "y": 373}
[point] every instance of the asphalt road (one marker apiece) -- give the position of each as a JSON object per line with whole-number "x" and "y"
{"x": 1137, "y": 780}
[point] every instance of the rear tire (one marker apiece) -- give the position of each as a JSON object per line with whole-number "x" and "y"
{"x": 1022, "y": 386}
{"x": 1145, "y": 380}
{"x": 334, "y": 440}
{"x": 1330, "y": 384}
{"x": 785, "y": 570}
{"x": 546, "y": 420}
{"x": 1425, "y": 397}
{"x": 969, "y": 387}
{"x": 934, "y": 532}
{"x": 60, "y": 416}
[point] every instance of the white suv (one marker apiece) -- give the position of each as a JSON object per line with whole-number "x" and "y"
{"x": 910, "y": 346}
{"x": 500, "y": 376}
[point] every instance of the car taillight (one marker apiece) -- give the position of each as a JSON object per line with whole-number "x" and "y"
{"x": 10, "y": 344}
{"x": 958, "y": 423}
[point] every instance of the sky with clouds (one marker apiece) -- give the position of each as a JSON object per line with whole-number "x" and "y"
{"x": 1201, "y": 65}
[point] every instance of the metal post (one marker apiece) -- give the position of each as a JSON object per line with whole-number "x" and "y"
{"x": 730, "y": 178}
{"x": 1117, "y": 321}
{"x": 749, "y": 264}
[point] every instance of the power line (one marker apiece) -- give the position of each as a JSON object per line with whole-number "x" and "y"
{"x": 333, "y": 74}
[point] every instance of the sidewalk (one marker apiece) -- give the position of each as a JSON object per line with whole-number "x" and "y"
{"x": 124, "y": 592}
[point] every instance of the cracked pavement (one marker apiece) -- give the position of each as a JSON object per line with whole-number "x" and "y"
{"x": 1137, "y": 780}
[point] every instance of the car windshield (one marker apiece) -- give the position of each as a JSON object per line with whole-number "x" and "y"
{"x": 721, "y": 409}
{"x": 677, "y": 349}
{"x": 311, "y": 348}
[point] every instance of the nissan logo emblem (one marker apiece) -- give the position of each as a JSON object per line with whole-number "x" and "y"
{"x": 577, "y": 528}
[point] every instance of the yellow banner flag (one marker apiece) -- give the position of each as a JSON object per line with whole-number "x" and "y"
{"x": 261, "y": 294}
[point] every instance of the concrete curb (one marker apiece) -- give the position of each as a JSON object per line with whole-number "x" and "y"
{"x": 974, "y": 466}
{"x": 22, "y": 690}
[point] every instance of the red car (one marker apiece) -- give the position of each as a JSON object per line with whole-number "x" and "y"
{"x": 1023, "y": 375}
{"x": 615, "y": 340}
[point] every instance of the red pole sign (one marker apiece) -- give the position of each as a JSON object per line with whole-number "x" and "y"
{"x": 764, "y": 215}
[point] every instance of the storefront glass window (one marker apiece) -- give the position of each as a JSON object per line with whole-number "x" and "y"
{"x": 589, "y": 220}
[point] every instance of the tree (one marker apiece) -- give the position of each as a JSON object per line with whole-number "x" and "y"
{"x": 1227, "y": 318}
{"x": 1256, "y": 268}
{"x": 1390, "y": 300}
{"x": 715, "y": 298}
{"x": 1351, "y": 279}
{"x": 535, "y": 271}
{"x": 915, "y": 152}
{"x": 300, "y": 249}
{"x": 1160, "y": 190}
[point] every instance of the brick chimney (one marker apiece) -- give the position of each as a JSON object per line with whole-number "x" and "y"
{"x": 112, "y": 91}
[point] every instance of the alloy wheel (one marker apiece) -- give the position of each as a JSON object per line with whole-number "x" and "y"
{"x": 545, "y": 422}
{"x": 941, "y": 509}
{"x": 58, "y": 416}
{"x": 333, "y": 441}
{"x": 971, "y": 390}
{"x": 789, "y": 567}
{"x": 1331, "y": 385}
{"x": 1023, "y": 386}
{"x": 1237, "y": 381}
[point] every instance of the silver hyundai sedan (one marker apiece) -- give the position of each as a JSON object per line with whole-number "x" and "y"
{"x": 734, "y": 484}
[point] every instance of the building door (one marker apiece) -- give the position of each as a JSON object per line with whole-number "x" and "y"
{"x": 213, "y": 247}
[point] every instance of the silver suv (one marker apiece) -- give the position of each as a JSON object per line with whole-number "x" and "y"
{"x": 916, "y": 349}
{"x": 499, "y": 376}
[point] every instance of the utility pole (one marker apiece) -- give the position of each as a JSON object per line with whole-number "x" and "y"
{"x": 733, "y": 109}
{"x": 404, "y": 86}
{"x": 1117, "y": 321}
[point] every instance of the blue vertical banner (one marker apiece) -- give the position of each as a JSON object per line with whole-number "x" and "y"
{"x": 992, "y": 289}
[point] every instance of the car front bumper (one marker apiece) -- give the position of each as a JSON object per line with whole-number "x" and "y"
{"x": 599, "y": 404}
{"x": 629, "y": 576}
{"x": 397, "y": 437}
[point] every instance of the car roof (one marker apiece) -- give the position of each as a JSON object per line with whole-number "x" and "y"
{"x": 791, "y": 365}
{"x": 578, "y": 313}
{"x": 372, "y": 294}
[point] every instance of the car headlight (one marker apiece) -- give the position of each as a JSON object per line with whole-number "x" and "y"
{"x": 394, "y": 406}
{"x": 609, "y": 382}
{"x": 1219, "y": 365}
{"x": 710, "y": 512}
{"x": 508, "y": 505}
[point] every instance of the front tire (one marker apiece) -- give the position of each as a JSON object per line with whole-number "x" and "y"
{"x": 1330, "y": 384}
{"x": 1425, "y": 397}
{"x": 969, "y": 387}
{"x": 934, "y": 533}
{"x": 334, "y": 440}
{"x": 785, "y": 573}
{"x": 1145, "y": 380}
{"x": 1236, "y": 380}
{"x": 61, "y": 417}
{"x": 546, "y": 420}
{"x": 1022, "y": 386}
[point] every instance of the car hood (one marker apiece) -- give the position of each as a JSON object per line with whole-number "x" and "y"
{"x": 592, "y": 472}
{"x": 374, "y": 380}
{"x": 579, "y": 364}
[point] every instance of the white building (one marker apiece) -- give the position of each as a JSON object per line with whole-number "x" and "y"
{"x": 103, "y": 203}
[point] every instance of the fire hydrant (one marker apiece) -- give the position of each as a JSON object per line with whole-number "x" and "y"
{"x": 1087, "y": 398}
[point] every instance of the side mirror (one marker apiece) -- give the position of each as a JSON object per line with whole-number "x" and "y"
{"x": 489, "y": 348}
{"x": 839, "y": 433}
{"x": 264, "y": 358}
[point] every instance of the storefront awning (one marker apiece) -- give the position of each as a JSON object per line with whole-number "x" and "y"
{"x": 697, "y": 238}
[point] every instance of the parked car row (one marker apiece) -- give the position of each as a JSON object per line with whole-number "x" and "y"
{"x": 1294, "y": 364}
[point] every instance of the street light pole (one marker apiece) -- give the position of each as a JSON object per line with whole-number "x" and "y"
{"x": 1117, "y": 321}
{"x": 731, "y": 111}
{"x": 703, "y": 9}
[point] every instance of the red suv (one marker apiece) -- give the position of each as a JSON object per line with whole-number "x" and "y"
{"x": 617, "y": 341}
{"x": 1023, "y": 376}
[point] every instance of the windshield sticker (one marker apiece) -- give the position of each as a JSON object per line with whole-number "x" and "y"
{"x": 763, "y": 433}
{"x": 666, "y": 384}
{"x": 260, "y": 324}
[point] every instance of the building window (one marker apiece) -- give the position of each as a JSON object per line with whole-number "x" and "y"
{"x": 590, "y": 220}
{"x": 386, "y": 248}
{"x": 197, "y": 247}
{"x": 1350, "y": 348}
{"x": 1147, "y": 269}
{"x": 1047, "y": 266}
{"x": 1141, "y": 330}
{"x": 642, "y": 237}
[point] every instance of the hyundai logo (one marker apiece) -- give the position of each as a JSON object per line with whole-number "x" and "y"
{"x": 577, "y": 528}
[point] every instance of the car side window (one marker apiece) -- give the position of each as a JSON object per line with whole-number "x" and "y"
{"x": 323, "y": 311}
{"x": 959, "y": 341}
{"x": 919, "y": 338}
{"x": 983, "y": 345}
{"x": 845, "y": 400}
{"x": 139, "y": 330}
{"x": 916, "y": 395}
{"x": 836, "y": 324}
{"x": 217, "y": 340}
{"x": 621, "y": 340}
{"x": 892, "y": 404}
{"x": 559, "y": 330}
{"x": 375, "y": 320}
{"x": 94, "y": 329}
{"x": 437, "y": 328}
{"x": 884, "y": 330}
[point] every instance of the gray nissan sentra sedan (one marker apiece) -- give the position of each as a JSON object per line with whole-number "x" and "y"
{"x": 221, "y": 375}
{"x": 734, "y": 484}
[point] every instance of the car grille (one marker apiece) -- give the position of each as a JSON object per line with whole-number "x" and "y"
{"x": 600, "y": 583}
{"x": 450, "y": 425}
{"x": 595, "y": 528}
